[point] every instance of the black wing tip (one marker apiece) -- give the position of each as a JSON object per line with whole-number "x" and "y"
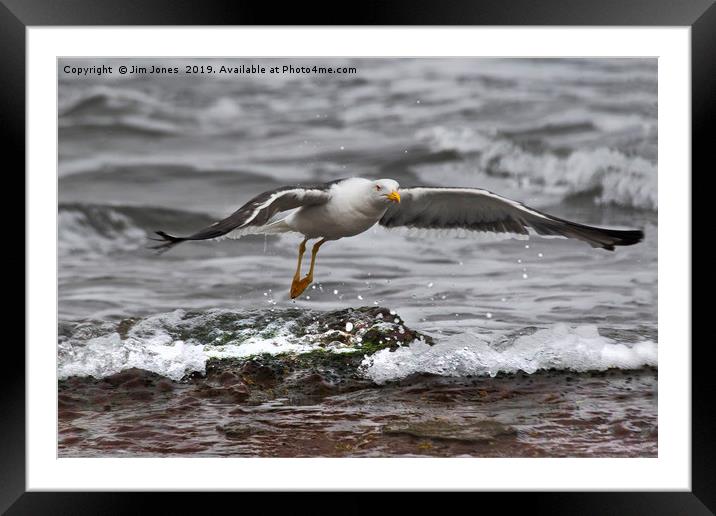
{"x": 623, "y": 238}
{"x": 167, "y": 242}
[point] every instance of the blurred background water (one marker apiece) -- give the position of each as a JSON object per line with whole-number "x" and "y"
{"x": 576, "y": 138}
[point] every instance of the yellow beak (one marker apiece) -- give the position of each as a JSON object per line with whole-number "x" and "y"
{"x": 393, "y": 196}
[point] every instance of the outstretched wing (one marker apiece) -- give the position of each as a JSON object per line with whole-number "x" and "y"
{"x": 257, "y": 212}
{"x": 480, "y": 210}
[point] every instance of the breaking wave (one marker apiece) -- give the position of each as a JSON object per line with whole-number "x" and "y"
{"x": 560, "y": 347}
{"x": 181, "y": 342}
{"x": 613, "y": 177}
{"x": 178, "y": 343}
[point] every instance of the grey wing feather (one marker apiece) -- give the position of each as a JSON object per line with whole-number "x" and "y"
{"x": 257, "y": 212}
{"x": 480, "y": 210}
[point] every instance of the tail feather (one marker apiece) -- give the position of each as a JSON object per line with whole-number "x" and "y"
{"x": 167, "y": 242}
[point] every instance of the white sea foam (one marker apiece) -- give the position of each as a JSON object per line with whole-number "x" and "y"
{"x": 109, "y": 354}
{"x": 560, "y": 347}
{"x": 177, "y": 343}
{"x": 154, "y": 344}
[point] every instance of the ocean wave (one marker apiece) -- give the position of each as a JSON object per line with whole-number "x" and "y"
{"x": 91, "y": 228}
{"x": 133, "y": 111}
{"x": 103, "y": 99}
{"x": 119, "y": 109}
{"x": 560, "y": 347}
{"x": 612, "y": 176}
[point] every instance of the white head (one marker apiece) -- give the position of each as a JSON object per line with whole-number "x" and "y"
{"x": 385, "y": 191}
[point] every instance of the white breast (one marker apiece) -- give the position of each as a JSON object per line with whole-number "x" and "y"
{"x": 348, "y": 213}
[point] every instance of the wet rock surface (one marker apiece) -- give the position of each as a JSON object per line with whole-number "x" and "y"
{"x": 441, "y": 429}
{"x": 546, "y": 414}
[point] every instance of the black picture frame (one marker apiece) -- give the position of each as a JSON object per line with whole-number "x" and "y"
{"x": 17, "y": 15}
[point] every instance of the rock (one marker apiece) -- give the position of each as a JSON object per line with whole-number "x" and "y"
{"x": 477, "y": 431}
{"x": 102, "y": 394}
{"x": 238, "y": 430}
{"x": 233, "y": 394}
{"x": 320, "y": 372}
{"x": 372, "y": 328}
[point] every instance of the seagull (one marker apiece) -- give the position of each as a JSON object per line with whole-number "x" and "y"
{"x": 348, "y": 207}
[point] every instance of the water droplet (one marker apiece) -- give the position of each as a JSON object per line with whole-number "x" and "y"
{"x": 396, "y": 320}
{"x": 360, "y": 297}
{"x": 540, "y": 255}
{"x": 519, "y": 261}
{"x": 524, "y": 276}
{"x": 335, "y": 292}
{"x": 527, "y": 246}
{"x": 430, "y": 285}
{"x": 417, "y": 102}
{"x": 342, "y": 147}
{"x": 349, "y": 326}
{"x": 503, "y": 299}
{"x": 489, "y": 315}
{"x": 393, "y": 312}
{"x": 308, "y": 297}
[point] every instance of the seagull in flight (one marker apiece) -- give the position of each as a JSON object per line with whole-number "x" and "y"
{"x": 348, "y": 207}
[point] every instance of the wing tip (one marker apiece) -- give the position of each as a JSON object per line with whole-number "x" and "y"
{"x": 624, "y": 238}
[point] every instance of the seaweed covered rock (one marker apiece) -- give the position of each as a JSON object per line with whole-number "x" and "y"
{"x": 341, "y": 339}
{"x": 236, "y": 356}
{"x": 370, "y": 328}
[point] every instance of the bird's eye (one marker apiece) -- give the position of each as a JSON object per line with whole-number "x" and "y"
{"x": 378, "y": 187}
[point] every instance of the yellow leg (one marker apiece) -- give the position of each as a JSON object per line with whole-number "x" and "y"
{"x": 297, "y": 276}
{"x": 299, "y": 285}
